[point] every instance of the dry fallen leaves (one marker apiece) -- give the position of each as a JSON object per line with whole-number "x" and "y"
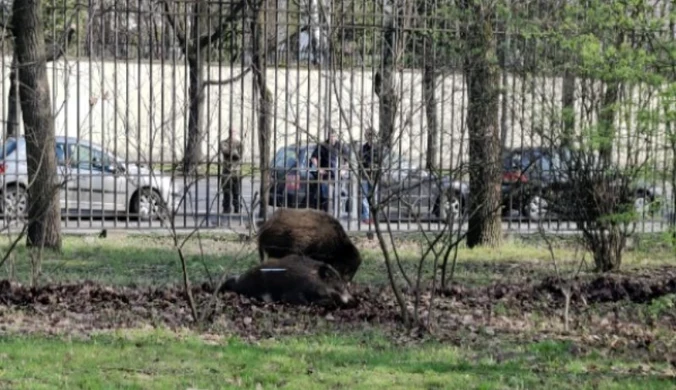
{"x": 516, "y": 309}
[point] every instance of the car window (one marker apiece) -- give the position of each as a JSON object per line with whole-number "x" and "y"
{"x": 86, "y": 157}
{"x": 545, "y": 163}
{"x": 80, "y": 156}
{"x": 286, "y": 158}
{"x": 516, "y": 160}
{"x": 304, "y": 157}
{"x": 60, "y": 153}
{"x": 8, "y": 148}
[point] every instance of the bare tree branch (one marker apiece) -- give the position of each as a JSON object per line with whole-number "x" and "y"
{"x": 58, "y": 49}
{"x": 206, "y": 40}
{"x": 180, "y": 34}
{"x": 227, "y": 81}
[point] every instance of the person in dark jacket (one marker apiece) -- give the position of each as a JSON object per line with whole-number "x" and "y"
{"x": 231, "y": 173}
{"x": 326, "y": 159}
{"x": 368, "y": 159}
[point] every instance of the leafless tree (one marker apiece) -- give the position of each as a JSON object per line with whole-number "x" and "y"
{"x": 55, "y": 50}
{"x": 194, "y": 39}
{"x": 483, "y": 88}
{"x": 44, "y": 228}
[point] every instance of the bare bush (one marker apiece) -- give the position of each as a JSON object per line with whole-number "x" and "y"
{"x": 598, "y": 197}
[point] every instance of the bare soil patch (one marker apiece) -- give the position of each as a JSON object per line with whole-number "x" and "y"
{"x": 603, "y": 309}
{"x": 638, "y": 287}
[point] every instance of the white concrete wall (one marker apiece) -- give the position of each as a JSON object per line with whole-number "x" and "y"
{"x": 142, "y": 108}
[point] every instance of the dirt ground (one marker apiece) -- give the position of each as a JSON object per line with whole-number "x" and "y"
{"x": 610, "y": 311}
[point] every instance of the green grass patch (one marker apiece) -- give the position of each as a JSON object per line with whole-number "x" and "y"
{"x": 162, "y": 360}
{"x": 153, "y": 260}
{"x": 363, "y": 359}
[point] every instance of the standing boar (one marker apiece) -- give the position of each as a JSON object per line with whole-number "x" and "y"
{"x": 311, "y": 233}
{"x": 293, "y": 279}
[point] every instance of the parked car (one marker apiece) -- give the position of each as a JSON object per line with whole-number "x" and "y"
{"x": 410, "y": 191}
{"x": 534, "y": 177}
{"x": 91, "y": 180}
{"x": 404, "y": 185}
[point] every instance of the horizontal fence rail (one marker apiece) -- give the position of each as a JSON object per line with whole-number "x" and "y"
{"x": 147, "y": 94}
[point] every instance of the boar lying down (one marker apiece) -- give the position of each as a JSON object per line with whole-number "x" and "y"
{"x": 292, "y": 279}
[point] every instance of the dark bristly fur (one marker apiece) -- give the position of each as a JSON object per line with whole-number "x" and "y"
{"x": 312, "y": 233}
{"x": 293, "y": 279}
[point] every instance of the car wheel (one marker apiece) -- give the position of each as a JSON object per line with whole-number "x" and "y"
{"x": 15, "y": 203}
{"x": 148, "y": 204}
{"x": 448, "y": 206}
{"x": 536, "y": 208}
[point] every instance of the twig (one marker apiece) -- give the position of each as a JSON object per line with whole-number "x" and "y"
{"x": 204, "y": 264}
{"x": 390, "y": 272}
{"x": 14, "y": 244}
{"x": 186, "y": 285}
{"x": 231, "y": 80}
{"x": 550, "y": 247}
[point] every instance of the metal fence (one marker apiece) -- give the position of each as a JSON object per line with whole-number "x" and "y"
{"x": 140, "y": 86}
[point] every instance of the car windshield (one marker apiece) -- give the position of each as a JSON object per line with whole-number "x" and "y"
{"x": 289, "y": 156}
{"x": 8, "y": 148}
{"x": 518, "y": 161}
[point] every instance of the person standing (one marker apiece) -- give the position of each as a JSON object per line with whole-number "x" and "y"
{"x": 231, "y": 173}
{"x": 321, "y": 161}
{"x": 326, "y": 158}
{"x": 368, "y": 159}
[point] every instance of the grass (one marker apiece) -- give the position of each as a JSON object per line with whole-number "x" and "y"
{"x": 160, "y": 359}
{"x": 148, "y": 260}
{"x": 356, "y": 359}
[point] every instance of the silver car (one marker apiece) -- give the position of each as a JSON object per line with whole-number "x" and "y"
{"x": 90, "y": 180}
{"x": 411, "y": 191}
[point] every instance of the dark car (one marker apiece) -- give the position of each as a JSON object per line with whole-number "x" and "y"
{"x": 534, "y": 177}
{"x": 289, "y": 174}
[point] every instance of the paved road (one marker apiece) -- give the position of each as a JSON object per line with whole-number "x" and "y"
{"x": 202, "y": 206}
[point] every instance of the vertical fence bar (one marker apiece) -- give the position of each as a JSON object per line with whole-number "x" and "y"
{"x": 309, "y": 89}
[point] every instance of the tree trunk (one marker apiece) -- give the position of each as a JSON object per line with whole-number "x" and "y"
{"x": 196, "y": 63}
{"x": 13, "y": 109}
{"x": 568, "y": 109}
{"x": 429, "y": 90}
{"x": 315, "y": 32}
{"x": 54, "y": 51}
{"x": 259, "y": 65}
{"x": 193, "y": 149}
{"x": 482, "y": 76}
{"x": 608, "y": 112}
{"x": 44, "y": 214}
{"x": 608, "y": 250}
{"x": 607, "y": 121}
{"x": 387, "y": 93}
{"x": 504, "y": 80}
{"x": 504, "y": 108}
{"x": 247, "y": 39}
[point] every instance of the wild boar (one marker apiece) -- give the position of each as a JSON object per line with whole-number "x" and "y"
{"x": 292, "y": 279}
{"x": 312, "y": 233}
